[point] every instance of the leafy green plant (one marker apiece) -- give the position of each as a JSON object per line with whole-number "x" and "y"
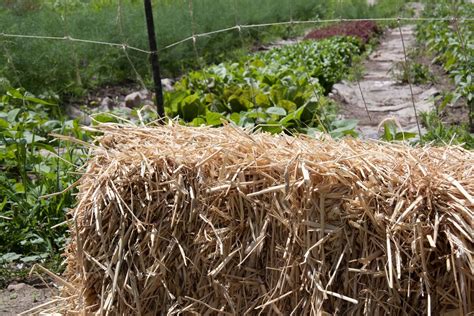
{"x": 34, "y": 165}
{"x": 392, "y": 132}
{"x": 449, "y": 41}
{"x": 412, "y": 72}
{"x": 441, "y": 134}
{"x": 67, "y": 67}
{"x": 282, "y": 89}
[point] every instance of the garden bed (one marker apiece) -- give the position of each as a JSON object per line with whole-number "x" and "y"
{"x": 364, "y": 30}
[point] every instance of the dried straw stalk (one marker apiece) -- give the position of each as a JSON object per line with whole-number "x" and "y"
{"x": 222, "y": 221}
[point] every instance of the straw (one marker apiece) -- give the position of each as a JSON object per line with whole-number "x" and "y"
{"x": 172, "y": 219}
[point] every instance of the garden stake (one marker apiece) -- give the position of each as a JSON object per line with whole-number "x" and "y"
{"x": 155, "y": 66}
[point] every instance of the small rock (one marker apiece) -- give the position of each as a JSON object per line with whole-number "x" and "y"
{"x": 75, "y": 113}
{"x": 145, "y": 93}
{"x": 167, "y": 84}
{"x": 134, "y": 99}
{"x": 15, "y": 287}
{"x": 106, "y": 105}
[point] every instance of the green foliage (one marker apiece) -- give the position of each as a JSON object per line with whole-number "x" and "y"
{"x": 440, "y": 134}
{"x": 451, "y": 43}
{"x": 391, "y": 133}
{"x": 72, "y": 67}
{"x": 282, "y": 89}
{"x": 34, "y": 164}
{"x": 412, "y": 72}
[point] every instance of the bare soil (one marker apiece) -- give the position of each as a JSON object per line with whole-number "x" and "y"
{"x": 23, "y": 295}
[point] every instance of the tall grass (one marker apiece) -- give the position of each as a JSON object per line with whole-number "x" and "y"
{"x": 67, "y": 67}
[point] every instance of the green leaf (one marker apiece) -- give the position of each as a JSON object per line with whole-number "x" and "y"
{"x": 387, "y": 135}
{"x": 198, "y": 121}
{"x": 15, "y": 93}
{"x": 105, "y": 118}
{"x": 294, "y": 116}
{"x": 13, "y": 114}
{"x": 276, "y": 111}
{"x": 19, "y": 187}
{"x": 235, "y": 117}
{"x": 213, "y": 118}
{"x": 4, "y": 124}
{"x": 38, "y": 101}
{"x": 239, "y": 104}
{"x": 405, "y": 135}
{"x": 191, "y": 108}
{"x": 10, "y": 257}
{"x": 345, "y": 125}
{"x": 289, "y": 106}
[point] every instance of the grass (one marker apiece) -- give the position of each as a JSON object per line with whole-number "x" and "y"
{"x": 66, "y": 67}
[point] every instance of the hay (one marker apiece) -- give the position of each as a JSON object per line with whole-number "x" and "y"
{"x": 221, "y": 221}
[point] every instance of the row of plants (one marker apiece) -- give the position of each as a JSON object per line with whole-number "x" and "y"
{"x": 279, "y": 90}
{"x": 34, "y": 165}
{"x": 450, "y": 42}
{"x": 71, "y": 68}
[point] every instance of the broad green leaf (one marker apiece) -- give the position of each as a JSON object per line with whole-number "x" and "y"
{"x": 105, "y": 118}
{"x": 235, "y": 117}
{"x": 289, "y": 106}
{"x": 276, "y": 111}
{"x": 13, "y": 114}
{"x": 405, "y": 135}
{"x": 198, "y": 121}
{"x": 4, "y": 124}
{"x": 213, "y": 118}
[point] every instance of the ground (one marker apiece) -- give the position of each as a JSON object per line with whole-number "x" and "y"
{"x": 22, "y": 295}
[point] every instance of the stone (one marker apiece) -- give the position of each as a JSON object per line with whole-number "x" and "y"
{"x": 16, "y": 287}
{"x": 76, "y": 113}
{"x": 106, "y": 105}
{"x": 167, "y": 84}
{"x": 134, "y": 99}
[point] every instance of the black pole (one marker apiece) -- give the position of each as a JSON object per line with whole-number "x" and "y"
{"x": 155, "y": 66}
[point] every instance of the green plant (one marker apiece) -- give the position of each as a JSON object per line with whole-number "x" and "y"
{"x": 441, "y": 134}
{"x": 392, "y": 131}
{"x": 412, "y": 72}
{"x": 67, "y": 67}
{"x": 449, "y": 41}
{"x": 282, "y": 89}
{"x": 34, "y": 164}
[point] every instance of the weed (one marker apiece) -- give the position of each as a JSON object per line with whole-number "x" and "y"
{"x": 412, "y": 72}
{"x": 440, "y": 134}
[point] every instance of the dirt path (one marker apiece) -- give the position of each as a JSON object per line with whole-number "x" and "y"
{"x": 384, "y": 96}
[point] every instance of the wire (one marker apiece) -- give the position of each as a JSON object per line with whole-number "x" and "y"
{"x": 236, "y": 27}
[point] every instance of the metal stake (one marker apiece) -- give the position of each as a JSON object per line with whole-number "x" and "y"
{"x": 155, "y": 66}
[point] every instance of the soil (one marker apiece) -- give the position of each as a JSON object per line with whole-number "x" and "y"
{"x": 23, "y": 295}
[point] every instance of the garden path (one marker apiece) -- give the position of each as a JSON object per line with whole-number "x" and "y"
{"x": 385, "y": 97}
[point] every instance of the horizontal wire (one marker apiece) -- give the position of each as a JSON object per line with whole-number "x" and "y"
{"x": 236, "y": 27}
{"x": 72, "y": 39}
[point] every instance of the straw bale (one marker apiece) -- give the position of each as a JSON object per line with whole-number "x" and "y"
{"x": 186, "y": 220}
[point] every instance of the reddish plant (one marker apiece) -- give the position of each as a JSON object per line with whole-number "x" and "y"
{"x": 364, "y": 30}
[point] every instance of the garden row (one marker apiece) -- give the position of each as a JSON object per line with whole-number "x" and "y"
{"x": 449, "y": 42}
{"x": 73, "y": 67}
{"x": 281, "y": 89}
